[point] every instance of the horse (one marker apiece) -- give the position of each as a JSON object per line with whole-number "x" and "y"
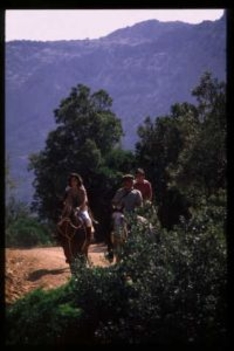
{"x": 72, "y": 235}
{"x": 119, "y": 233}
{"x": 121, "y": 229}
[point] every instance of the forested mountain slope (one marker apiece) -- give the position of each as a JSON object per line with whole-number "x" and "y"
{"x": 145, "y": 68}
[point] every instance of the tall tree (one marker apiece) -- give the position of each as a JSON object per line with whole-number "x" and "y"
{"x": 201, "y": 166}
{"x": 159, "y": 146}
{"x": 187, "y": 148}
{"x": 184, "y": 153}
{"x": 87, "y": 130}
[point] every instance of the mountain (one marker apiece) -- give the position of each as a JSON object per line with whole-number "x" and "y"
{"x": 145, "y": 68}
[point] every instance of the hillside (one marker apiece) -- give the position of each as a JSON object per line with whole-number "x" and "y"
{"x": 144, "y": 68}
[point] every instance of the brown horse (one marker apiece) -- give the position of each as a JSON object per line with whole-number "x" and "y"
{"x": 72, "y": 235}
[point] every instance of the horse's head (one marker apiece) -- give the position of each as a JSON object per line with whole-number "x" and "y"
{"x": 119, "y": 233}
{"x": 118, "y": 218}
{"x": 75, "y": 218}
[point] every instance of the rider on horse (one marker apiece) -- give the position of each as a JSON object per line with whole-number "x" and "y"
{"x": 127, "y": 198}
{"x": 76, "y": 202}
{"x": 124, "y": 202}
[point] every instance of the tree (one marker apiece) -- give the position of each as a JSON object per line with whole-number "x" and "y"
{"x": 185, "y": 150}
{"x": 201, "y": 167}
{"x": 87, "y": 130}
{"x": 160, "y": 144}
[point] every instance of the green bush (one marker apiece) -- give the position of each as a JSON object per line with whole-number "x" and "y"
{"x": 27, "y": 232}
{"x": 168, "y": 289}
{"x": 42, "y": 318}
{"x": 22, "y": 228}
{"x": 180, "y": 286}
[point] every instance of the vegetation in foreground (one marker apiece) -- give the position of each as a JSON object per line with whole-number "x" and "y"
{"x": 169, "y": 288}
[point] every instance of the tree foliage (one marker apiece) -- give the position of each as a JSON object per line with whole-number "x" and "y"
{"x": 186, "y": 149}
{"x": 176, "y": 294}
{"x": 85, "y": 141}
{"x": 202, "y": 163}
{"x": 22, "y": 228}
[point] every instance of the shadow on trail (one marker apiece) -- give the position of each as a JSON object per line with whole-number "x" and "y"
{"x": 41, "y": 272}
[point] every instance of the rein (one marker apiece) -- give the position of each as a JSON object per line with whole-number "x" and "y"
{"x": 69, "y": 237}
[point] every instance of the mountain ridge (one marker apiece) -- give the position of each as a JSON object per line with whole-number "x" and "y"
{"x": 143, "y": 68}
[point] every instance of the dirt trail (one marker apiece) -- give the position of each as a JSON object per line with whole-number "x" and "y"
{"x": 29, "y": 269}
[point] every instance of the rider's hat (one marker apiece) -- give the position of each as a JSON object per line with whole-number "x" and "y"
{"x": 127, "y": 176}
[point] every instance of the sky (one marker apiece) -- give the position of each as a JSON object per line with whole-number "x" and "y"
{"x": 46, "y": 25}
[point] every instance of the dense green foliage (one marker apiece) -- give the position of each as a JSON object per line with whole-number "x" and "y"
{"x": 170, "y": 286}
{"x": 86, "y": 131}
{"x": 22, "y": 229}
{"x": 86, "y": 141}
{"x": 184, "y": 151}
{"x": 187, "y": 149}
{"x": 169, "y": 289}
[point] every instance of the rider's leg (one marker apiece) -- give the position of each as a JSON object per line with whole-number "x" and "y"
{"x": 91, "y": 216}
{"x": 87, "y": 243}
{"x": 89, "y": 226}
{"x": 89, "y": 231}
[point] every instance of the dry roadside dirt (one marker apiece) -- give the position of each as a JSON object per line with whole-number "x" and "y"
{"x": 29, "y": 269}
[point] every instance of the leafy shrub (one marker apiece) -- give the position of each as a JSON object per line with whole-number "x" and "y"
{"x": 179, "y": 283}
{"x": 27, "y": 232}
{"x": 22, "y": 229}
{"x": 42, "y": 318}
{"x": 169, "y": 288}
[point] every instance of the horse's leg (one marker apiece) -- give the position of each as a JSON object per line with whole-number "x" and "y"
{"x": 116, "y": 248}
{"x": 109, "y": 245}
{"x": 78, "y": 246}
{"x": 66, "y": 249}
{"x": 110, "y": 250}
{"x": 87, "y": 242}
{"x": 119, "y": 244}
{"x": 84, "y": 251}
{"x": 63, "y": 240}
{"x": 75, "y": 254}
{"x": 68, "y": 245}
